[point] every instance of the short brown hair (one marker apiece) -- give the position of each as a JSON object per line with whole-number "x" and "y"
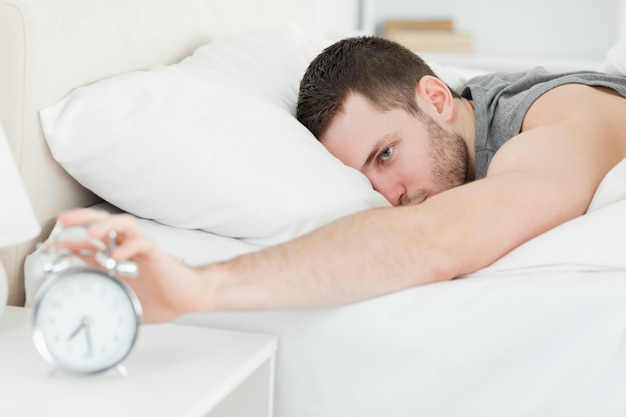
{"x": 382, "y": 71}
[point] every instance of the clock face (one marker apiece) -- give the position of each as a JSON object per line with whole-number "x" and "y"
{"x": 85, "y": 321}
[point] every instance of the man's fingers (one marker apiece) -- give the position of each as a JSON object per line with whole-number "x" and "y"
{"x": 99, "y": 223}
{"x": 124, "y": 225}
{"x": 81, "y": 217}
{"x": 133, "y": 247}
{"x": 83, "y": 249}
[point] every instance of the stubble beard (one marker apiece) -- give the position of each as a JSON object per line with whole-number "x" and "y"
{"x": 449, "y": 157}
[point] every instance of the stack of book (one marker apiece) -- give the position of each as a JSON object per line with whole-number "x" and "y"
{"x": 436, "y": 36}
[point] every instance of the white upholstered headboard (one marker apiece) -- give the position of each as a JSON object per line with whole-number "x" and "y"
{"x": 49, "y": 47}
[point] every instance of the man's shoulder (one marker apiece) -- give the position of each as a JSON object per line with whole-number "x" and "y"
{"x": 502, "y": 100}
{"x": 581, "y": 102}
{"x": 571, "y": 136}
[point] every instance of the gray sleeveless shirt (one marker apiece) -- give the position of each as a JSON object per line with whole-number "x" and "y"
{"x": 501, "y": 101}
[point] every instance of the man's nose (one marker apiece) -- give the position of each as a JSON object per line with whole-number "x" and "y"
{"x": 391, "y": 190}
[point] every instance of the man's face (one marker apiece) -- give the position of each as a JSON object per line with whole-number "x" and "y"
{"x": 406, "y": 158}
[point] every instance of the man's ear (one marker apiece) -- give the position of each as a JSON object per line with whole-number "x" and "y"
{"x": 433, "y": 92}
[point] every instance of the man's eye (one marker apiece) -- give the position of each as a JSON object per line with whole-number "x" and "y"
{"x": 386, "y": 154}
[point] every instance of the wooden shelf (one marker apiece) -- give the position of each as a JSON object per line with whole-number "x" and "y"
{"x": 428, "y": 36}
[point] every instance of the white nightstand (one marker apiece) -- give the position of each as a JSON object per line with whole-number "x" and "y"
{"x": 174, "y": 370}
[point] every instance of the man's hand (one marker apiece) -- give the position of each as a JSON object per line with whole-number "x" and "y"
{"x": 166, "y": 287}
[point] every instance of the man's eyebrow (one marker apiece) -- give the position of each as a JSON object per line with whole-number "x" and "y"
{"x": 376, "y": 149}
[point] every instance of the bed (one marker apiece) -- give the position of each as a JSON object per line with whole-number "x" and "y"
{"x": 181, "y": 113}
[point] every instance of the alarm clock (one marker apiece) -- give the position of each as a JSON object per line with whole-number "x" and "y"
{"x": 85, "y": 320}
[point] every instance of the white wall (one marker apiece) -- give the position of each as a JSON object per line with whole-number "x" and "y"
{"x": 335, "y": 19}
{"x": 557, "y": 29}
{"x": 622, "y": 21}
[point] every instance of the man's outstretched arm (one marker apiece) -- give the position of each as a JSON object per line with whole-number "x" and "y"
{"x": 355, "y": 258}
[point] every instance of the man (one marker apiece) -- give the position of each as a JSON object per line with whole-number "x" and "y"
{"x": 473, "y": 175}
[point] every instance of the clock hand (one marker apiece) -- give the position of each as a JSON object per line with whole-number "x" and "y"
{"x": 84, "y": 324}
{"x": 77, "y": 330}
{"x": 87, "y": 325}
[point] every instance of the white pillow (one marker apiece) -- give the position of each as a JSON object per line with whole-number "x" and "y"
{"x": 210, "y": 143}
